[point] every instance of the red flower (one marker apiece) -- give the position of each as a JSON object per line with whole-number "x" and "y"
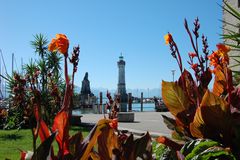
{"x": 214, "y": 59}
{"x": 220, "y": 56}
{"x": 62, "y": 127}
{"x": 60, "y": 44}
{"x": 223, "y": 48}
{"x": 114, "y": 123}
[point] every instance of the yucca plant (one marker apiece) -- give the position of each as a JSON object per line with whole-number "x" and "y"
{"x": 44, "y": 74}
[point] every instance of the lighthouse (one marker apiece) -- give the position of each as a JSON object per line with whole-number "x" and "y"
{"x": 121, "y": 91}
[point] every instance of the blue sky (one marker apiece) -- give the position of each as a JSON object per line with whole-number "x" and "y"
{"x": 104, "y": 29}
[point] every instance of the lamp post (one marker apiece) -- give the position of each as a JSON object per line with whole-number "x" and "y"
{"x": 173, "y": 71}
{"x": 148, "y": 92}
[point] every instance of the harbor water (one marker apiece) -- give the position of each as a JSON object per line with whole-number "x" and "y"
{"x": 136, "y": 107}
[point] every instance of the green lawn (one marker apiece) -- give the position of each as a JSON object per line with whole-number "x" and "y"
{"x": 13, "y": 140}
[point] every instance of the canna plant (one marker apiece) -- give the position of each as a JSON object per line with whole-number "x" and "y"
{"x": 201, "y": 112}
{"x": 105, "y": 136}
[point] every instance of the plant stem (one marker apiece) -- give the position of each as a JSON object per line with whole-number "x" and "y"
{"x": 179, "y": 60}
{"x": 34, "y": 141}
{"x": 66, "y": 69}
{"x": 194, "y": 47}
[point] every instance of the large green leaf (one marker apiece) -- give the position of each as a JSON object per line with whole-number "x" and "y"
{"x": 163, "y": 152}
{"x": 189, "y": 146}
{"x": 214, "y": 153}
{"x": 174, "y": 98}
{"x": 201, "y": 149}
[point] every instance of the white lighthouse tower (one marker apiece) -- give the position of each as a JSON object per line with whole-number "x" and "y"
{"x": 121, "y": 82}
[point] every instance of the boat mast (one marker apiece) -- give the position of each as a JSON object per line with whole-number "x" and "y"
{"x": 1, "y": 87}
{"x": 4, "y": 63}
{"x": 12, "y": 62}
{"x": 3, "y": 69}
{"x": 21, "y": 66}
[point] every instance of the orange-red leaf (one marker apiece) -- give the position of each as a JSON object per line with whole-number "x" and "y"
{"x": 60, "y": 125}
{"x": 95, "y": 156}
{"x": 75, "y": 143}
{"x": 197, "y": 126}
{"x": 190, "y": 85}
{"x": 44, "y": 132}
{"x": 205, "y": 79}
{"x": 214, "y": 110}
{"x": 67, "y": 97}
{"x": 91, "y": 140}
{"x": 220, "y": 82}
{"x": 174, "y": 98}
{"x": 212, "y": 118}
{"x": 107, "y": 141}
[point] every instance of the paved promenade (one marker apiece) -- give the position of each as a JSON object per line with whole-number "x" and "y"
{"x": 144, "y": 121}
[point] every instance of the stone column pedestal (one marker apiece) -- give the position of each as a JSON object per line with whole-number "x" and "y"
{"x": 126, "y": 117}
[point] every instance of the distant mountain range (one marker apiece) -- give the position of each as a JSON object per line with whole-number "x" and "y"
{"x": 135, "y": 92}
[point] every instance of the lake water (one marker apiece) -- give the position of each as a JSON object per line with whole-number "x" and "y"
{"x": 136, "y": 107}
{"x": 146, "y": 107}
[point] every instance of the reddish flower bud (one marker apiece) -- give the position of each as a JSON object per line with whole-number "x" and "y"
{"x": 168, "y": 38}
{"x": 192, "y": 55}
{"x": 194, "y": 66}
{"x": 16, "y": 77}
